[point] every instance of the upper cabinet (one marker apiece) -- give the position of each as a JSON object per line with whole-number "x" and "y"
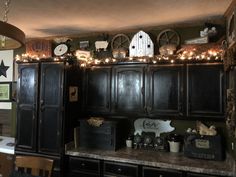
{"x": 129, "y": 89}
{"x": 160, "y": 91}
{"x": 165, "y": 95}
{"x": 97, "y": 89}
{"x": 205, "y": 90}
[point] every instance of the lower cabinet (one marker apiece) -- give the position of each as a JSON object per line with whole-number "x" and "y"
{"x": 159, "y": 172}
{"x": 6, "y": 164}
{"x": 87, "y": 167}
{"x": 112, "y": 169}
{"x": 83, "y": 167}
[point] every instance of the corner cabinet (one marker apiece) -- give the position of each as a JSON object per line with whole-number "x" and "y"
{"x": 129, "y": 89}
{"x": 205, "y": 90}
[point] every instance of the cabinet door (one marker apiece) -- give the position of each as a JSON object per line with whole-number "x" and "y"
{"x": 165, "y": 90}
{"x": 97, "y": 89}
{"x": 205, "y": 90}
{"x": 27, "y": 98}
{"x": 51, "y": 107}
{"x": 129, "y": 91}
{"x": 157, "y": 172}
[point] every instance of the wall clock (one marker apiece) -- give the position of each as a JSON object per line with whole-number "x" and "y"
{"x": 61, "y": 49}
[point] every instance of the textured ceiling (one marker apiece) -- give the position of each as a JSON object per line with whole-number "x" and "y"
{"x": 46, "y": 18}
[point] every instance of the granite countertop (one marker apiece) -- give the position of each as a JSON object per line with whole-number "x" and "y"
{"x": 152, "y": 158}
{"x": 7, "y": 145}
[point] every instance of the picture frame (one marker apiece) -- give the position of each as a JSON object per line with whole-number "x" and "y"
{"x": 5, "y": 91}
{"x": 231, "y": 28}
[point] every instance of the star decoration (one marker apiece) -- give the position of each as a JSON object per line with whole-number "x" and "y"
{"x": 3, "y": 69}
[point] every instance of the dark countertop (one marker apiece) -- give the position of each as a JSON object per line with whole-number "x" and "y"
{"x": 152, "y": 158}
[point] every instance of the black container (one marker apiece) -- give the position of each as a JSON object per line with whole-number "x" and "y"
{"x": 204, "y": 147}
{"x": 111, "y": 135}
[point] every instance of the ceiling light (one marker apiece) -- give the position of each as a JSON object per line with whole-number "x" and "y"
{"x": 11, "y": 37}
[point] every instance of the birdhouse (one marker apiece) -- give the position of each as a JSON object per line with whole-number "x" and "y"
{"x": 141, "y": 45}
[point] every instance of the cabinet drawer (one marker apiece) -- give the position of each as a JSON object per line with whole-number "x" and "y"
{"x": 84, "y": 165}
{"x": 200, "y": 175}
{"x": 157, "y": 172}
{"x": 111, "y": 168}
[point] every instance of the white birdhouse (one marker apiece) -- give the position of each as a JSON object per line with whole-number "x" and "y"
{"x": 141, "y": 45}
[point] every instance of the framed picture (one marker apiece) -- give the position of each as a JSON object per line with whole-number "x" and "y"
{"x": 73, "y": 93}
{"x": 5, "y": 91}
{"x": 231, "y": 28}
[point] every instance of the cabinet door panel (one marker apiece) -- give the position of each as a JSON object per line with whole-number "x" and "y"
{"x": 155, "y": 172}
{"x": 51, "y": 107}
{"x": 97, "y": 89}
{"x": 27, "y": 88}
{"x": 129, "y": 92}
{"x": 166, "y": 84}
{"x": 205, "y": 90}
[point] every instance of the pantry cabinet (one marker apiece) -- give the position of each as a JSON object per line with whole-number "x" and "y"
{"x": 47, "y": 105}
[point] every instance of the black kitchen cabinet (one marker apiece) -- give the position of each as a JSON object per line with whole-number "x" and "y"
{"x": 176, "y": 90}
{"x": 27, "y": 108}
{"x": 159, "y": 172}
{"x": 205, "y": 90}
{"x": 129, "y": 89}
{"x": 97, "y": 90}
{"x": 44, "y": 108}
{"x": 165, "y": 96}
{"x": 83, "y": 167}
{"x": 114, "y": 169}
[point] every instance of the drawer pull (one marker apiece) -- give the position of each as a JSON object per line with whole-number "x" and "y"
{"x": 82, "y": 164}
{"x": 119, "y": 169}
{"x": 160, "y": 175}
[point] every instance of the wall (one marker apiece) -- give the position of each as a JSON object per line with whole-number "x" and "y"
{"x": 6, "y": 77}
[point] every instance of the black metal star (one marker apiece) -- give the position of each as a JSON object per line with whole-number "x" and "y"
{"x": 3, "y": 69}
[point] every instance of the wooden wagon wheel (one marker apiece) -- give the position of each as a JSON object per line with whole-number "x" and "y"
{"x": 120, "y": 41}
{"x": 168, "y": 36}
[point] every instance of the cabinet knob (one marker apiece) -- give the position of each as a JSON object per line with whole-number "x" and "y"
{"x": 82, "y": 164}
{"x": 160, "y": 175}
{"x": 119, "y": 169}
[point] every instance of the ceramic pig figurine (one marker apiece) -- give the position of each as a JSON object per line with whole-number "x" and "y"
{"x": 152, "y": 125}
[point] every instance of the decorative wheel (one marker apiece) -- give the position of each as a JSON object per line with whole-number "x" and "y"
{"x": 168, "y": 36}
{"x": 120, "y": 41}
